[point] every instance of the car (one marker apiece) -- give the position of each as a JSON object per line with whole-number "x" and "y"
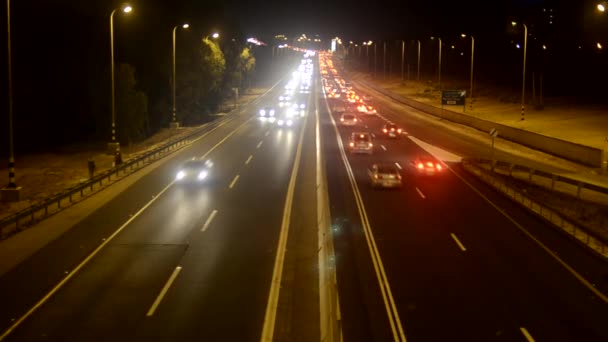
{"x": 348, "y": 119}
{"x": 194, "y": 171}
{"x": 391, "y": 130}
{"x": 366, "y": 109}
{"x": 285, "y": 100}
{"x": 426, "y": 166}
{"x": 361, "y": 142}
{"x": 266, "y": 112}
{"x": 384, "y": 175}
{"x": 285, "y": 121}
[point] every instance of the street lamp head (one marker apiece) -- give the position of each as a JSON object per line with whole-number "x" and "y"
{"x": 369, "y": 43}
{"x": 513, "y": 23}
{"x": 601, "y": 7}
{"x": 127, "y": 9}
{"x": 599, "y": 46}
{"x": 463, "y": 35}
{"x": 215, "y": 35}
{"x": 186, "y": 26}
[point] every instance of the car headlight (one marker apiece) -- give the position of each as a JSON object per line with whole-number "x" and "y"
{"x": 271, "y": 113}
{"x": 289, "y": 122}
{"x": 180, "y": 175}
{"x": 202, "y": 175}
{"x": 302, "y": 106}
{"x": 280, "y": 122}
{"x": 262, "y": 112}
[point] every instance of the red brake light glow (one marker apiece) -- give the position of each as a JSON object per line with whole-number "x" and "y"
{"x": 420, "y": 166}
{"x": 438, "y": 166}
{"x": 384, "y": 130}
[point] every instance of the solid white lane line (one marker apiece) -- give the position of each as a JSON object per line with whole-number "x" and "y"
{"x": 383, "y": 147}
{"x": 164, "y": 291}
{"x": 277, "y": 272}
{"x": 383, "y": 283}
{"x": 81, "y": 265}
{"x": 209, "y": 219}
{"x": 236, "y": 178}
{"x": 248, "y": 159}
{"x": 526, "y": 334}
{"x": 259, "y": 144}
{"x": 420, "y": 193}
{"x": 458, "y": 242}
{"x": 569, "y": 268}
{"x": 398, "y": 166}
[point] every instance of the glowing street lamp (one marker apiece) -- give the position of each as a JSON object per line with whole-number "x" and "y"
{"x": 174, "y": 123}
{"x": 114, "y": 145}
{"x": 601, "y": 7}
{"x": 523, "y": 86}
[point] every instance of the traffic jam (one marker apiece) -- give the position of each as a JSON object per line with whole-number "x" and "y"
{"x": 351, "y": 112}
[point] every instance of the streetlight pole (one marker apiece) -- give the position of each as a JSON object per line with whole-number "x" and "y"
{"x": 114, "y": 146}
{"x": 472, "y": 57}
{"x": 384, "y": 60}
{"x": 523, "y": 86}
{"x": 403, "y": 61}
{"x": 439, "y": 76}
{"x": 375, "y": 61}
{"x": 12, "y": 185}
{"x": 174, "y": 123}
{"x": 418, "y": 65}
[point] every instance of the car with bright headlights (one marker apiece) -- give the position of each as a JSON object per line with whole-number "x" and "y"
{"x": 194, "y": 171}
{"x": 349, "y": 119}
{"x": 266, "y": 112}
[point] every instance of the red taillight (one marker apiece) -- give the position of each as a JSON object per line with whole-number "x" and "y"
{"x": 420, "y": 166}
{"x": 352, "y": 144}
{"x": 355, "y": 120}
{"x": 370, "y": 144}
{"x": 438, "y": 166}
{"x": 429, "y": 164}
{"x": 342, "y": 119}
{"x": 392, "y": 129}
{"x": 375, "y": 176}
{"x": 399, "y": 130}
{"x": 384, "y": 130}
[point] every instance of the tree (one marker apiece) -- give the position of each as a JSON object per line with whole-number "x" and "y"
{"x": 131, "y": 106}
{"x": 247, "y": 65}
{"x": 199, "y": 81}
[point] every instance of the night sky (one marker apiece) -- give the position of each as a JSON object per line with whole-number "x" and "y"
{"x": 60, "y": 47}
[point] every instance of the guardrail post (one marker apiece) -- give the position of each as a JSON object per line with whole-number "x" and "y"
{"x": 531, "y": 173}
{"x": 578, "y": 189}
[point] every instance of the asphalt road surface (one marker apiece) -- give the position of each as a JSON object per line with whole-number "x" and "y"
{"x": 447, "y": 258}
{"x": 179, "y": 262}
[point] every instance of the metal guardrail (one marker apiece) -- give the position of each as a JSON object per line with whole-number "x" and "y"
{"x": 37, "y": 212}
{"x": 580, "y": 184}
{"x": 579, "y": 234}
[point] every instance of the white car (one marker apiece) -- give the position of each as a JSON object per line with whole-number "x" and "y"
{"x": 348, "y": 119}
{"x": 384, "y": 175}
{"x": 361, "y": 142}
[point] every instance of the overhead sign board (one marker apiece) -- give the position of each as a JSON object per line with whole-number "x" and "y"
{"x": 453, "y": 97}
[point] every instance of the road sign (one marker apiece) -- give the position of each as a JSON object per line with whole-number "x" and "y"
{"x": 453, "y": 97}
{"x": 494, "y": 132}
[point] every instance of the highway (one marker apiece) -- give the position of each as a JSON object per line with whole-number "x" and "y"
{"x": 447, "y": 258}
{"x": 165, "y": 261}
{"x": 235, "y": 259}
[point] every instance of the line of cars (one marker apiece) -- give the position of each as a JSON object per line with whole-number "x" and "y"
{"x": 354, "y": 110}
{"x": 291, "y": 104}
